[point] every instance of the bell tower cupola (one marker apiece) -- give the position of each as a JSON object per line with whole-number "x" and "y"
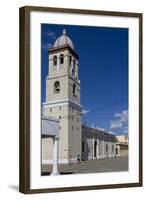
{"x": 63, "y": 58}
{"x": 63, "y": 69}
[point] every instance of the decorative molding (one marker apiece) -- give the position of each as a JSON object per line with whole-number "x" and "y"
{"x": 55, "y": 77}
{"x": 69, "y": 102}
{"x": 50, "y": 59}
{"x": 63, "y": 47}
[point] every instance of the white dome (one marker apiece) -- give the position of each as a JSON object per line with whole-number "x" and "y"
{"x": 63, "y": 40}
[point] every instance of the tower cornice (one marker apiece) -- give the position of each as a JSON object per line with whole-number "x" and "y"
{"x": 63, "y": 47}
{"x": 69, "y": 102}
{"x": 55, "y": 77}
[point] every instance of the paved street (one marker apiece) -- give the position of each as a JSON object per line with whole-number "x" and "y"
{"x": 91, "y": 166}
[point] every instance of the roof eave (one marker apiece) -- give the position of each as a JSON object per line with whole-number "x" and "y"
{"x": 51, "y": 50}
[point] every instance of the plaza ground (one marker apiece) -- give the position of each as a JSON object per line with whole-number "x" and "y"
{"x": 91, "y": 166}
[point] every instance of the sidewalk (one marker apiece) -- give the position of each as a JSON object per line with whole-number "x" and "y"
{"x": 91, "y": 166}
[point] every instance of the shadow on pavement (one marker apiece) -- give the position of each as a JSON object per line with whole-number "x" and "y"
{"x": 62, "y": 173}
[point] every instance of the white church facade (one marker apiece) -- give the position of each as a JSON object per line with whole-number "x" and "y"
{"x": 63, "y": 103}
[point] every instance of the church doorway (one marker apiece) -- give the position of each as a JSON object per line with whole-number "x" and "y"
{"x": 95, "y": 149}
{"x": 117, "y": 151}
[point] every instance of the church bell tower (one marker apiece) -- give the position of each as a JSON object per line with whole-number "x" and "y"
{"x": 63, "y": 99}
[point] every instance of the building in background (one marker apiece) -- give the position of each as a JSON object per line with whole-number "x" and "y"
{"x": 122, "y": 145}
{"x": 123, "y": 139}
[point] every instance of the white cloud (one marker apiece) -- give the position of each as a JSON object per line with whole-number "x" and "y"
{"x": 125, "y": 129}
{"x": 101, "y": 129}
{"x": 115, "y": 124}
{"x": 46, "y": 46}
{"x": 104, "y": 130}
{"x": 85, "y": 111}
{"x": 111, "y": 132}
{"x": 51, "y": 34}
{"x": 121, "y": 119}
{"x": 123, "y": 116}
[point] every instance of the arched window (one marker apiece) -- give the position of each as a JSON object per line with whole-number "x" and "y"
{"x": 74, "y": 89}
{"x": 55, "y": 60}
{"x": 57, "y": 87}
{"x": 73, "y": 71}
{"x": 74, "y": 64}
{"x": 70, "y": 60}
{"x": 61, "y": 59}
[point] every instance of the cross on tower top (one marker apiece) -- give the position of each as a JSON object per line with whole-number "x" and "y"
{"x": 64, "y": 31}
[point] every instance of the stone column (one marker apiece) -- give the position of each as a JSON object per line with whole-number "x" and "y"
{"x": 55, "y": 156}
{"x": 58, "y": 61}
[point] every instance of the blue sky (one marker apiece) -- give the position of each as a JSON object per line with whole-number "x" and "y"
{"x": 103, "y": 72}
